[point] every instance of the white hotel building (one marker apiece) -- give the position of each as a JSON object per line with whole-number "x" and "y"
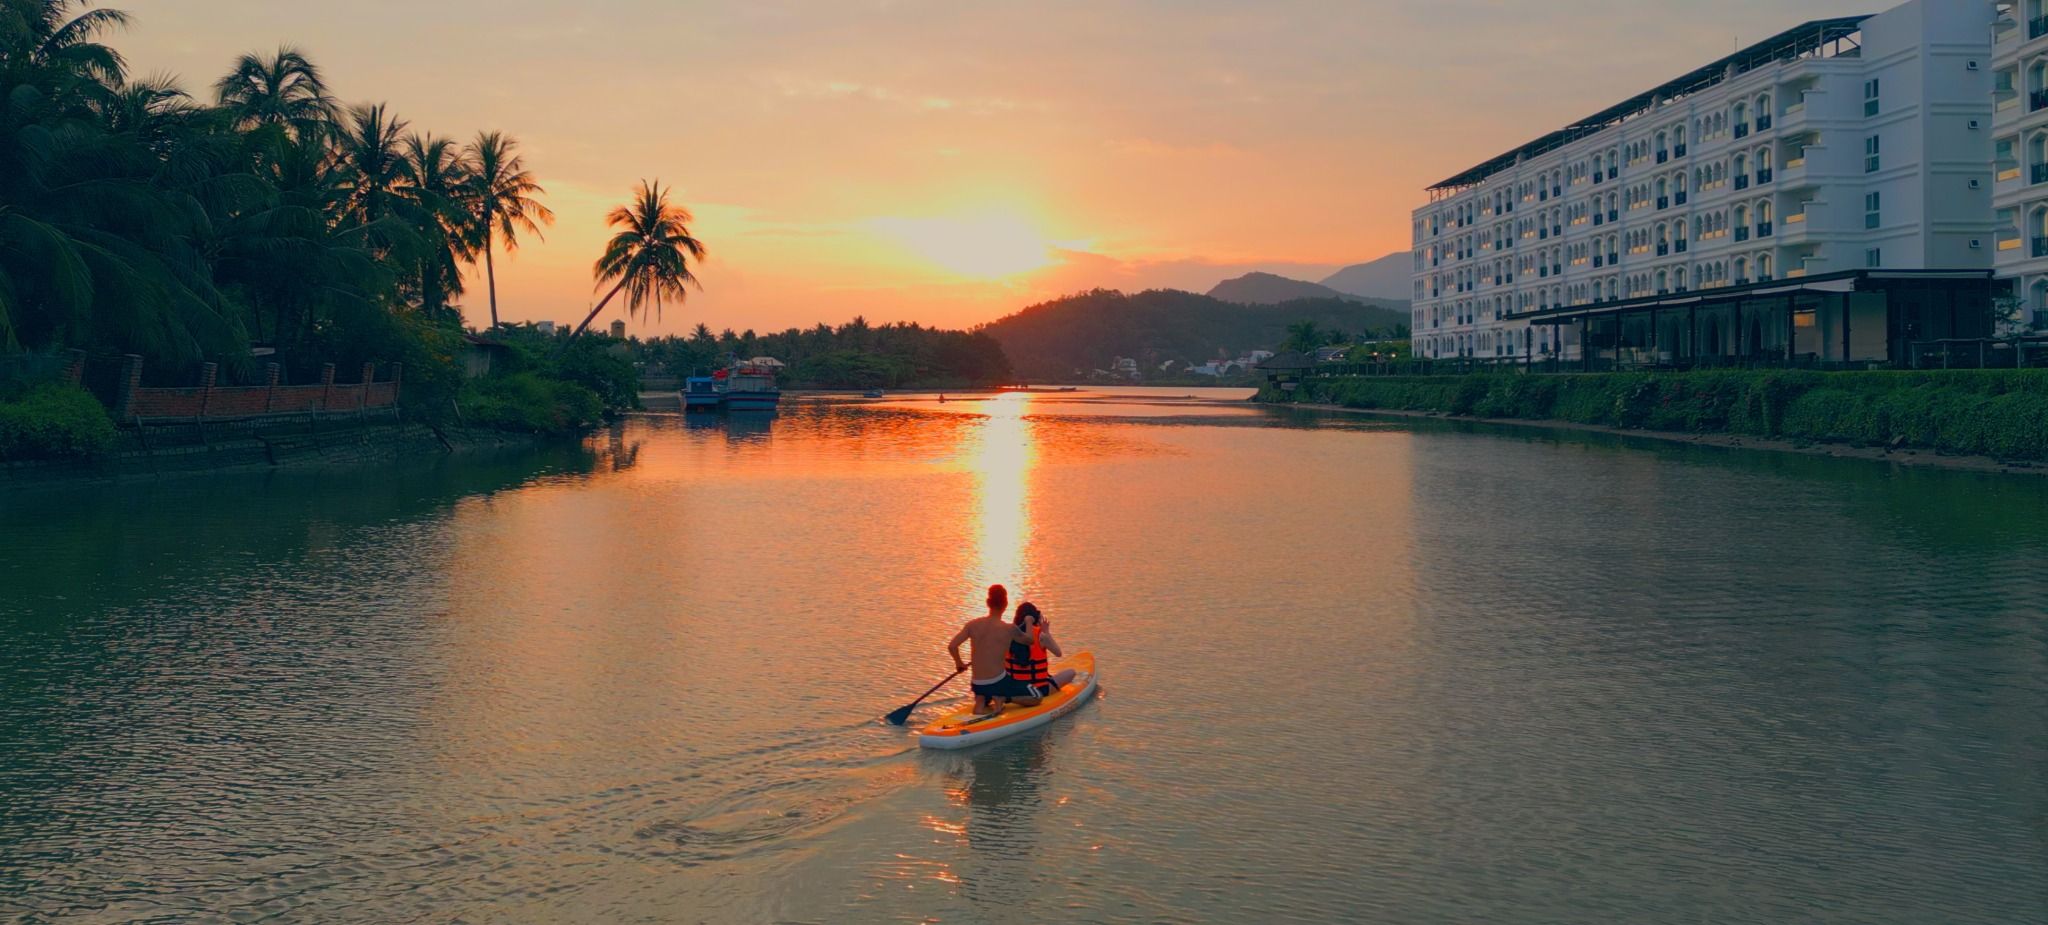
{"x": 1826, "y": 194}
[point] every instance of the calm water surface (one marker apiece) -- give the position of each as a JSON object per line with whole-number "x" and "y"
{"x": 1352, "y": 671}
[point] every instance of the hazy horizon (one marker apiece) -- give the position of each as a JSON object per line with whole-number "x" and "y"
{"x": 951, "y": 163}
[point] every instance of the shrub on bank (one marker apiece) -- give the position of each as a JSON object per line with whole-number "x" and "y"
{"x": 530, "y": 403}
{"x": 1999, "y": 413}
{"x": 51, "y": 421}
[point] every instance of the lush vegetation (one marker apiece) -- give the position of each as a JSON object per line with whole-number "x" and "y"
{"x": 136, "y": 218}
{"x": 1997, "y": 413}
{"x": 52, "y": 420}
{"x": 855, "y": 355}
{"x": 1387, "y": 345}
{"x": 548, "y": 383}
{"x": 1071, "y": 337}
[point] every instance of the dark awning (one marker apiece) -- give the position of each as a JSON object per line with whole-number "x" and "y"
{"x": 1819, "y": 284}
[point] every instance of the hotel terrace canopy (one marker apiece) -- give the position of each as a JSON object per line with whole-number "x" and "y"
{"x": 1804, "y": 39}
{"x": 1852, "y": 317}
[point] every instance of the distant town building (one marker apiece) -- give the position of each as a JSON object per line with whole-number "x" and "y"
{"x": 545, "y": 327}
{"x": 619, "y": 328}
{"x": 1824, "y": 194}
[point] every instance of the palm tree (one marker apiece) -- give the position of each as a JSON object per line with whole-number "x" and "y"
{"x": 285, "y": 91}
{"x": 368, "y": 143}
{"x": 650, "y": 256}
{"x": 502, "y": 194}
{"x": 42, "y": 35}
{"x": 437, "y": 190}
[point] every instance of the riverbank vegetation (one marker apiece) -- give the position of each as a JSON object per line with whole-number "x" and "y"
{"x": 52, "y": 420}
{"x": 1997, "y": 413}
{"x": 137, "y": 218}
{"x": 855, "y": 355}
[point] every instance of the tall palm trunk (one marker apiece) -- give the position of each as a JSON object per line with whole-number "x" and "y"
{"x": 491, "y": 274}
{"x": 587, "y": 319}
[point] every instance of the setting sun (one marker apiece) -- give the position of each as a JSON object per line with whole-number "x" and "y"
{"x": 982, "y": 246}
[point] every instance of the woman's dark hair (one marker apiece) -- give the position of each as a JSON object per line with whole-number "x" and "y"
{"x": 1026, "y": 610}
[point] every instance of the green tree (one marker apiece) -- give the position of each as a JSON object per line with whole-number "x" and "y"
{"x": 438, "y": 208}
{"x": 369, "y": 145}
{"x": 503, "y": 193}
{"x": 1302, "y": 337}
{"x": 284, "y": 92}
{"x": 649, "y": 257}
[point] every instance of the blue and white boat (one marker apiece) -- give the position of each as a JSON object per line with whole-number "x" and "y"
{"x": 701, "y": 393}
{"x": 750, "y": 386}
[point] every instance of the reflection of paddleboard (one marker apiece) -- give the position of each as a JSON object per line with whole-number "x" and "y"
{"x": 961, "y": 728}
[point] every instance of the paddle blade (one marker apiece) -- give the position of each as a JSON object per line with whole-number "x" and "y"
{"x": 900, "y": 715}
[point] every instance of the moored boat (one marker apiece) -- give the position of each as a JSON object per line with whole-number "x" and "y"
{"x": 700, "y": 393}
{"x": 749, "y": 386}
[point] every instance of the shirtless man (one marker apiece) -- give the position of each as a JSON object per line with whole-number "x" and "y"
{"x": 992, "y": 636}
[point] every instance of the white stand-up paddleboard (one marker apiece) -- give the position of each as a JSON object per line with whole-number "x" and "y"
{"x": 962, "y": 728}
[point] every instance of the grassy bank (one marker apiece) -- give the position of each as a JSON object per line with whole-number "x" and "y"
{"x": 1997, "y": 413}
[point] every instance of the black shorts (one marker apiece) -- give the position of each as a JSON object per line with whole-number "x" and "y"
{"x": 1006, "y": 687}
{"x": 1043, "y": 689}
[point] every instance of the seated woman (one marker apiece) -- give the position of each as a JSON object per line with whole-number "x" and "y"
{"x": 1028, "y": 662}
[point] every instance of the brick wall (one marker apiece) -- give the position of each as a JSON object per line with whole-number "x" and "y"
{"x": 211, "y": 402}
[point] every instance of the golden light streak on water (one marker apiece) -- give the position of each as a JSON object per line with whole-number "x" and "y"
{"x": 1001, "y": 453}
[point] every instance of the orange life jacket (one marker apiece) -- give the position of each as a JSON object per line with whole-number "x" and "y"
{"x": 1028, "y": 663}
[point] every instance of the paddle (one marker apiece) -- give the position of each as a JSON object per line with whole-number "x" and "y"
{"x": 902, "y": 714}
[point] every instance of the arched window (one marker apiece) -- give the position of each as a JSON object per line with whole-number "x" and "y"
{"x": 1741, "y": 216}
{"x": 1763, "y": 105}
{"x": 1678, "y": 277}
{"x": 1763, "y": 158}
{"x": 1662, "y": 187}
{"x": 1661, "y": 145}
{"x": 1741, "y": 113}
{"x": 1763, "y": 210}
{"x": 1741, "y": 164}
{"x": 2037, "y": 295}
{"x": 1741, "y": 270}
{"x": 1678, "y": 133}
{"x": 2037, "y": 76}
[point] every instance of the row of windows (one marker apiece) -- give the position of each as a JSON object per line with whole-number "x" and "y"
{"x": 1738, "y": 270}
{"x": 1742, "y": 221}
{"x": 1667, "y": 142}
{"x": 1664, "y": 192}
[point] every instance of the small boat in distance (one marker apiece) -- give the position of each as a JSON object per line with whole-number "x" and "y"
{"x": 872, "y": 393}
{"x": 749, "y": 386}
{"x": 700, "y": 393}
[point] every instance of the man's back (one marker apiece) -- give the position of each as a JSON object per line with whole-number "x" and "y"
{"x": 989, "y": 641}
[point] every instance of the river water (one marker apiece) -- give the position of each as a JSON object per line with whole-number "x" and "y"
{"x": 1351, "y": 671}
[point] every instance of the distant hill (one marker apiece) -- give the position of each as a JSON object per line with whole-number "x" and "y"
{"x": 1386, "y": 278}
{"x": 1051, "y": 340}
{"x": 1267, "y": 289}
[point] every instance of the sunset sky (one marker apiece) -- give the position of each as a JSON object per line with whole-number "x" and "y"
{"x": 949, "y": 162}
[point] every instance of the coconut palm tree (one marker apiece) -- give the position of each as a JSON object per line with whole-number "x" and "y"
{"x": 437, "y": 206}
{"x": 369, "y": 145}
{"x": 42, "y": 35}
{"x": 649, "y": 256}
{"x": 285, "y": 91}
{"x": 502, "y": 193}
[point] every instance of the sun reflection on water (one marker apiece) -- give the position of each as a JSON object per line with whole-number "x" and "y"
{"x": 1001, "y": 453}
